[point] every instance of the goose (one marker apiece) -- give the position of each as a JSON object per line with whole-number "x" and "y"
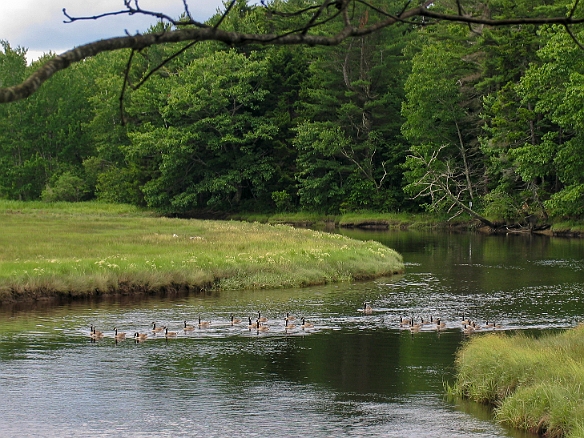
{"x": 262, "y": 318}
{"x": 289, "y": 326}
{"x": 203, "y": 324}
{"x": 306, "y": 324}
{"x": 95, "y": 334}
{"x": 234, "y": 320}
{"x": 467, "y": 329}
{"x": 415, "y": 328}
{"x": 405, "y": 321}
{"x": 465, "y": 321}
{"x": 440, "y": 324}
{"x": 188, "y": 328}
{"x": 289, "y": 317}
{"x": 427, "y": 321}
{"x": 119, "y": 336}
{"x": 140, "y": 336}
{"x": 251, "y": 324}
{"x": 262, "y": 327}
{"x": 156, "y": 329}
{"x": 367, "y": 309}
{"x": 169, "y": 334}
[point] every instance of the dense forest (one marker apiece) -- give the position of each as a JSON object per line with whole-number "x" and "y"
{"x": 445, "y": 117}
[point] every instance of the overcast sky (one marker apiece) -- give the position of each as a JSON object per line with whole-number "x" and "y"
{"x": 37, "y": 25}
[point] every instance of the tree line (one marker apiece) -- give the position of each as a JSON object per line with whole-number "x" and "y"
{"x": 444, "y": 116}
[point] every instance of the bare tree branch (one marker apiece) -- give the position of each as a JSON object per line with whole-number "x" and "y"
{"x": 126, "y": 77}
{"x": 202, "y": 32}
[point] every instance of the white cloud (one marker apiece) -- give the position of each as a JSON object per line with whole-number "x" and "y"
{"x": 38, "y": 25}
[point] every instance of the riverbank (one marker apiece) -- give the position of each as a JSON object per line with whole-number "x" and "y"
{"x": 535, "y": 384}
{"x": 90, "y": 249}
{"x": 364, "y": 220}
{"x": 407, "y": 221}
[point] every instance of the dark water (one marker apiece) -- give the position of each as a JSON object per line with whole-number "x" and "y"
{"x": 352, "y": 374}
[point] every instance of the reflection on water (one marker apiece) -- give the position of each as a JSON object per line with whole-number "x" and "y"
{"x": 352, "y": 374}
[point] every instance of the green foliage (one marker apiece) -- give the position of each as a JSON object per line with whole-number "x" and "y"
{"x": 501, "y": 206}
{"x": 568, "y": 203}
{"x": 492, "y": 115}
{"x": 67, "y": 187}
{"x": 283, "y": 201}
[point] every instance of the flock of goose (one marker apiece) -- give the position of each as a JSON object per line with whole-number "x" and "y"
{"x": 259, "y": 324}
{"x": 414, "y": 325}
{"x": 289, "y": 324}
{"x": 467, "y": 325}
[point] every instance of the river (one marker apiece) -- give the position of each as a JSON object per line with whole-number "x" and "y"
{"x": 353, "y": 374}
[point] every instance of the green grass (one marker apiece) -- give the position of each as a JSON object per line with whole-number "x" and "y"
{"x": 358, "y": 219}
{"x": 536, "y": 384}
{"x": 91, "y": 248}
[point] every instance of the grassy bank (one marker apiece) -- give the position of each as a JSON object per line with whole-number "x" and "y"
{"x": 354, "y": 220}
{"x": 88, "y": 249}
{"x": 402, "y": 221}
{"x": 534, "y": 383}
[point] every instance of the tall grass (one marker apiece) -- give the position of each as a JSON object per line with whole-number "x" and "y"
{"x": 536, "y": 384}
{"x": 87, "y": 249}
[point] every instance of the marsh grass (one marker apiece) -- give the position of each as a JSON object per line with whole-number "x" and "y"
{"x": 88, "y": 249}
{"x": 535, "y": 383}
{"x": 356, "y": 219}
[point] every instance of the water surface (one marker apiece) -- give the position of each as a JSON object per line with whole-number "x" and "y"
{"x": 352, "y": 374}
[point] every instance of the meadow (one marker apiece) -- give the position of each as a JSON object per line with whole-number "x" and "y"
{"x": 534, "y": 383}
{"x": 87, "y": 249}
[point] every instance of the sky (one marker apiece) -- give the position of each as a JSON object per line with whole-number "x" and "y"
{"x": 37, "y": 25}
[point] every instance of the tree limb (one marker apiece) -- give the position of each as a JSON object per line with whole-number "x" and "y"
{"x": 202, "y": 32}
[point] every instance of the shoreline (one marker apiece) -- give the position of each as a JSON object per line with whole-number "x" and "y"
{"x": 404, "y": 222}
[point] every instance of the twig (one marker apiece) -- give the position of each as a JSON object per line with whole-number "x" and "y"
{"x": 163, "y": 63}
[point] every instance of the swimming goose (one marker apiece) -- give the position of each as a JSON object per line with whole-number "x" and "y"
{"x": 262, "y": 327}
{"x": 289, "y": 326}
{"x": 188, "y": 328}
{"x": 203, "y": 324}
{"x": 251, "y": 324}
{"x": 95, "y": 334}
{"x": 156, "y": 329}
{"x": 427, "y": 321}
{"x": 405, "y": 321}
{"x": 306, "y": 324}
{"x": 234, "y": 320}
{"x": 262, "y": 318}
{"x": 414, "y": 326}
{"x": 140, "y": 336}
{"x": 440, "y": 324}
{"x": 169, "y": 334}
{"x": 367, "y": 309}
{"x": 119, "y": 336}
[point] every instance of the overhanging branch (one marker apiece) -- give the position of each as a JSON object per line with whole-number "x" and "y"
{"x": 201, "y": 32}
